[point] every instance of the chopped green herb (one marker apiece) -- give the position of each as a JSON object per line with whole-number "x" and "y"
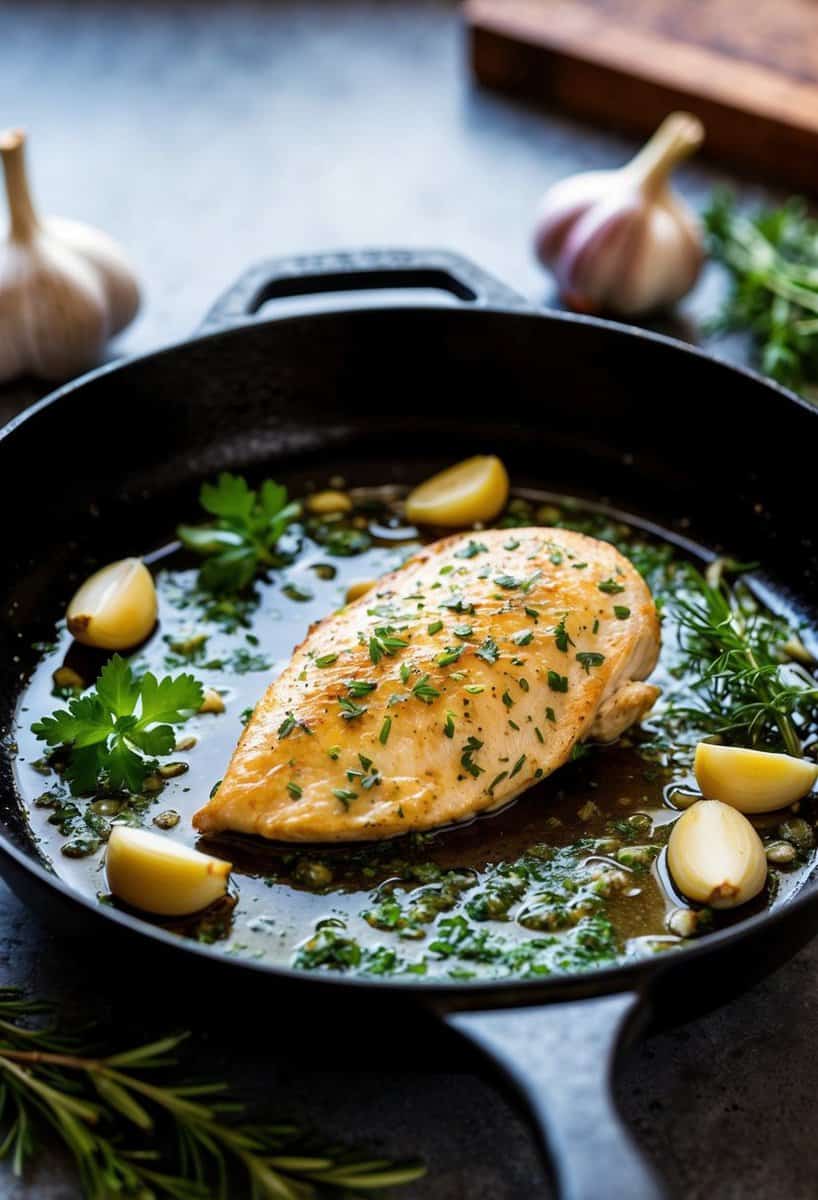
{"x": 423, "y": 690}
{"x": 345, "y": 796}
{"x": 383, "y": 736}
{"x": 562, "y": 637}
{"x": 471, "y": 549}
{"x": 621, "y": 612}
{"x": 360, "y": 687}
{"x": 557, "y": 682}
{"x": 457, "y": 604}
{"x": 610, "y": 587}
{"x": 293, "y": 592}
{"x": 518, "y": 766}
{"x": 589, "y": 658}
{"x": 350, "y": 711}
{"x": 287, "y": 726}
{"x": 434, "y": 628}
{"x": 488, "y": 650}
{"x": 450, "y": 655}
{"x": 295, "y": 790}
{"x": 466, "y": 760}
{"x": 326, "y": 660}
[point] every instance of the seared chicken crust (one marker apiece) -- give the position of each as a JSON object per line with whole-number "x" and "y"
{"x": 459, "y": 681}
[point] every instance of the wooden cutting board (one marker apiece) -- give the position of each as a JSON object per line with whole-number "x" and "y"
{"x": 748, "y": 68}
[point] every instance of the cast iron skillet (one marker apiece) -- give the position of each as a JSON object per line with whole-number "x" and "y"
{"x": 106, "y": 465}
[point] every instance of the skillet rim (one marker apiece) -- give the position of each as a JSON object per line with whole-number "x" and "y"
{"x": 550, "y": 988}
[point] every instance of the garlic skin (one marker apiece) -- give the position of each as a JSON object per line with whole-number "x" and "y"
{"x": 715, "y": 856}
{"x": 621, "y": 241}
{"x": 115, "y": 608}
{"x": 65, "y": 288}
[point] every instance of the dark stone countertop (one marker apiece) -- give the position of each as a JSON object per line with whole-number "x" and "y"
{"x": 205, "y": 136}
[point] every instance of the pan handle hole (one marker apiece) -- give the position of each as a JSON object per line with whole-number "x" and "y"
{"x": 381, "y": 286}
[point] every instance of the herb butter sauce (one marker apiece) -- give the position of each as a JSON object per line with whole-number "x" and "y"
{"x": 571, "y": 876}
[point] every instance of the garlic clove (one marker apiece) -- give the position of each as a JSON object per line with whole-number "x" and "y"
{"x": 64, "y": 288}
{"x": 470, "y": 491}
{"x": 753, "y": 781}
{"x": 715, "y": 856}
{"x": 212, "y": 702}
{"x": 324, "y": 503}
{"x": 621, "y": 241}
{"x": 115, "y": 608}
{"x": 161, "y": 876}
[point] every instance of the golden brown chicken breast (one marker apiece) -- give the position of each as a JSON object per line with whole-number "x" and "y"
{"x": 457, "y": 683}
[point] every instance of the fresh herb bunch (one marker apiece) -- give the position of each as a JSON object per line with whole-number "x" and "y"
{"x": 107, "y": 738}
{"x": 243, "y": 538}
{"x": 772, "y": 257}
{"x": 746, "y": 689}
{"x": 112, "y": 1113}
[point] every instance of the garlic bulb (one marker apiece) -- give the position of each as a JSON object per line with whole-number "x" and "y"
{"x": 64, "y": 288}
{"x": 621, "y": 241}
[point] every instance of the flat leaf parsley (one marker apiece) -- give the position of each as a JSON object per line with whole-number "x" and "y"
{"x": 243, "y": 538}
{"x": 107, "y": 738}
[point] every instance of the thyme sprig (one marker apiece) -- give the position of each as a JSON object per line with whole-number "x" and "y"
{"x": 745, "y": 689}
{"x": 131, "y": 1135}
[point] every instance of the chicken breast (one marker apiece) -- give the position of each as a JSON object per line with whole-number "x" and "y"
{"x": 458, "y": 682}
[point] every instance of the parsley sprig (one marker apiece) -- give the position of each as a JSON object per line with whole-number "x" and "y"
{"x": 114, "y": 732}
{"x": 772, "y": 257}
{"x": 243, "y": 538}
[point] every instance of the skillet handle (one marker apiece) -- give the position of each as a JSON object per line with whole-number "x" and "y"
{"x": 357, "y": 270}
{"x": 561, "y": 1059}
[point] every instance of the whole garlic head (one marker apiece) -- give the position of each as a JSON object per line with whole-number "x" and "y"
{"x": 65, "y": 288}
{"x": 621, "y": 241}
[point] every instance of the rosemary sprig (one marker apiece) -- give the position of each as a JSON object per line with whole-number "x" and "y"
{"x": 135, "y": 1136}
{"x": 745, "y": 690}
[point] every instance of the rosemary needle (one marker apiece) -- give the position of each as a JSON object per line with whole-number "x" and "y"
{"x": 744, "y": 691}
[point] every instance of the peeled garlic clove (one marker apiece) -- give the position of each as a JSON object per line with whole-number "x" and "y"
{"x": 621, "y": 241}
{"x": 212, "y": 701}
{"x": 64, "y": 288}
{"x": 116, "y": 608}
{"x": 321, "y": 504}
{"x": 473, "y": 490}
{"x": 160, "y": 876}
{"x": 753, "y": 781}
{"x": 715, "y": 856}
